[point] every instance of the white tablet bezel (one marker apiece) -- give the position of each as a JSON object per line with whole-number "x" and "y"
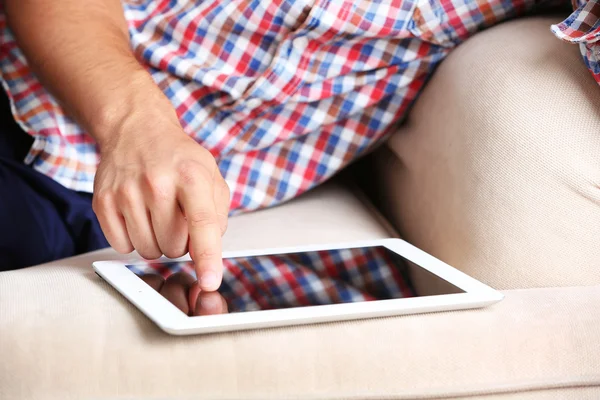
{"x": 170, "y": 319}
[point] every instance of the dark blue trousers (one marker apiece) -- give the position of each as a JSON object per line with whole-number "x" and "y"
{"x": 40, "y": 220}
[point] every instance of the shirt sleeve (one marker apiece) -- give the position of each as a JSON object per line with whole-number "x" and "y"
{"x": 582, "y": 27}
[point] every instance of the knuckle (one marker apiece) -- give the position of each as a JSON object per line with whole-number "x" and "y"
{"x": 224, "y": 187}
{"x": 224, "y": 224}
{"x": 206, "y": 254}
{"x": 190, "y": 171}
{"x": 175, "y": 248}
{"x": 175, "y": 252}
{"x": 121, "y": 246}
{"x": 126, "y": 193}
{"x": 149, "y": 253}
{"x": 199, "y": 219}
{"x": 102, "y": 201}
{"x": 160, "y": 186}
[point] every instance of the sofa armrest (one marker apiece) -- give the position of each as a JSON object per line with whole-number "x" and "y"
{"x": 496, "y": 171}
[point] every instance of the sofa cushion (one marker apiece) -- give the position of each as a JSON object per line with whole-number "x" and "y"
{"x": 335, "y": 212}
{"x": 65, "y": 334}
{"x": 497, "y": 169}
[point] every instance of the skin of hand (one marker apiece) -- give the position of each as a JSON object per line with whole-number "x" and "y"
{"x": 184, "y": 293}
{"x": 156, "y": 190}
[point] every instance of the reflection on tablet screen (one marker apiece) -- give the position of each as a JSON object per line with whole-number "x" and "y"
{"x": 269, "y": 282}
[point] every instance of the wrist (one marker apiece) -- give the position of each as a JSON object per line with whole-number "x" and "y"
{"x": 137, "y": 105}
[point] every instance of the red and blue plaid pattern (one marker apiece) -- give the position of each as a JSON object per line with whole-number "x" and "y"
{"x": 303, "y": 279}
{"x": 284, "y": 93}
{"x": 583, "y": 28}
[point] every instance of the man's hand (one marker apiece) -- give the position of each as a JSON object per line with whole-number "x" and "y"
{"x": 155, "y": 188}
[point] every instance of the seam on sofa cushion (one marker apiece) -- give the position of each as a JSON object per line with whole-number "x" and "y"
{"x": 497, "y": 389}
{"x": 369, "y": 206}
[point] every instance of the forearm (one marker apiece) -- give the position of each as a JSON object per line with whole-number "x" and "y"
{"x": 80, "y": 51}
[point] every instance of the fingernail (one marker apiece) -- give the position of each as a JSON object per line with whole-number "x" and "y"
{"x": 209, "y": 280}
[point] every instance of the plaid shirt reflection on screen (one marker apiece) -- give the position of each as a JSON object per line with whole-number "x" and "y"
{"x": 282, "y": 281}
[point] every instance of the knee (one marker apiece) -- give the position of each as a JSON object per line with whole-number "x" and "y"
{"x": 31, "y": 231}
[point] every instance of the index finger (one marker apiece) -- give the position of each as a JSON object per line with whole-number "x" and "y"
{"x": 205, "y": 233}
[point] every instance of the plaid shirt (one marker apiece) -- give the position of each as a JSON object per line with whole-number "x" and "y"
{"x": 583, "y": 28}
{"x": 284, "y": 93}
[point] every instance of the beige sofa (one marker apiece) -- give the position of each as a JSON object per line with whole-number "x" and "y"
{"x": 496, "y": 171}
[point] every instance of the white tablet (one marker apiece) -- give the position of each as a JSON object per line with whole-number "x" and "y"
{"x": 299, "y": 285}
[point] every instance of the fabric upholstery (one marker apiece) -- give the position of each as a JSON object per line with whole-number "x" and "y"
{"x": 334, "y": 212}
{"x": 65, "y": 334}
{"x": 497, "y": 170}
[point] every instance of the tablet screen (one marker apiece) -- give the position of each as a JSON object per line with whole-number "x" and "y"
{"x": 267, "y": 282}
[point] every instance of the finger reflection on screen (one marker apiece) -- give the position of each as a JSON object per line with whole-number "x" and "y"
{"x": 177, "y": 288}
{"x": 154, "y": 281}
{"x": 183, "y": 291}
{"x": 210, "y": 303}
